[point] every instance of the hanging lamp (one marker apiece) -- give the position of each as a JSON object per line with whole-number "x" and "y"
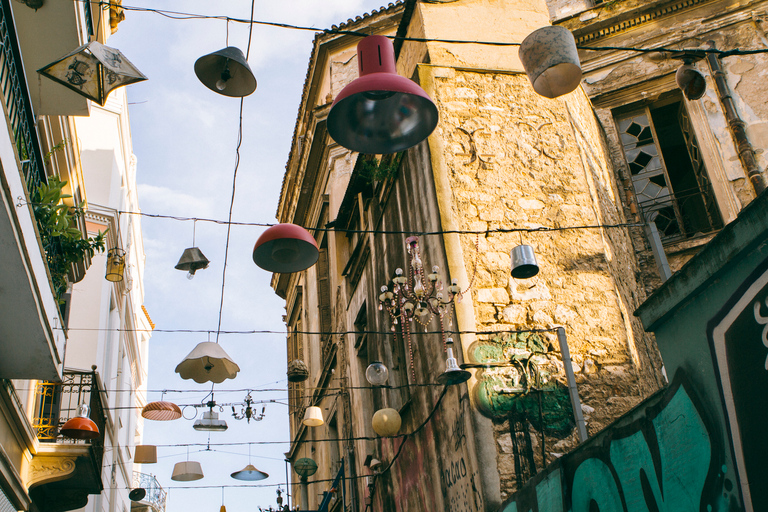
{"x": 93, "y": 70}
{"x": 226, "y": 72}
{"x": 452, "y": 374}
{"x": 161, "y": 411}
{"x": 207, "y": 363}
{"x": 192, "y": 260}
{"x": 313, "y": 417}
{"x": 81, "y": 426}
{"x": 137, "y": 494}
{"x": 551, "y": 61}
{"x": 187, "y": 471}
{"x": 297, "y": 371}
{"x": 380, "y": 112}
{"x": 689, "y": 79}
{"x": 249, "y": 473}
{"x": 524, "y": 263}
{"x": 377, "y": 373}
{"x": 145, "y": 454}
{"x": 210, "y": 422}
{"x": 386, "y": 422}
{"x": 305, "y": 467}
{"x": 285, "y": 248}
{"x": 115, "y": 265}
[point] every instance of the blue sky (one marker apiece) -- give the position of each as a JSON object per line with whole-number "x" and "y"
{"x": 184, "y": 137}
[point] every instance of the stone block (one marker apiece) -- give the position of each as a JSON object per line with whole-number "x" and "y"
{"x": 493, "y": 295}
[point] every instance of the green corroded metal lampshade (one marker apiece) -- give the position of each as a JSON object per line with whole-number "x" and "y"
{"x": 305, "y": 467}
{"x": 93, "y": 70}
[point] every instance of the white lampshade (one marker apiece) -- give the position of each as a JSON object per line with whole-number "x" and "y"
{"x": 386, "y": 422}
{"x": 313, "y": 417}
{"x": 551, "y": 61}
{"x": 187, "y": 471}
{"x": 208, "y": 363}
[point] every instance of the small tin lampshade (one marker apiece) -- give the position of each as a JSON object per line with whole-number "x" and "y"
{"x": 187, "y": 471}
{"x": 524, "y": 263}
{"x": 161, "y": 411}
{"x": 226, "y": 72}
{"x": 81, "y": 426}
{"x": 386, "y": 422}
{"x": 313, "y": 417}
{"x": 115, "y": 264}
{"x": 285, "y": 248}
{"x": 551, "y": 61}
{"x": 145, "y": 454}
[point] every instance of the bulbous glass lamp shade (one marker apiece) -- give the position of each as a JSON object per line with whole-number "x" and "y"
{"x": 249, "y": 473}
{"x": 376, "y": 373}
{"x": 285, "y": 248}
{"x": 380, "y": 112}
{"x": 187, "y": 471}
{"x": 208, "y": 363}
{"x": 551, "y": 61}
{"x": 226, "y": 72}
{"x": 81, "y": 426}
{"x": 161, "y": 411}
{"x": 386, "y": 422}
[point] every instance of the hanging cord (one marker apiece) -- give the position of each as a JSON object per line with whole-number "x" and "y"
{"x": 194, "y": 228}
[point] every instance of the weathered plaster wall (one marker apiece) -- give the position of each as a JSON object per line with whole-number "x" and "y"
{"x": 517, "y": 160}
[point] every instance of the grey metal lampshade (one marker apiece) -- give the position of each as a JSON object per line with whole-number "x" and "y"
{"x": 524, "y": 263}
{"x": 453, "y": 374}
{"x": 226, "y": 72}
{"x": 192, "y": 260}
{"x": 93, "y": 70}
{"x": 551, "y": 61}
{"x": 210, "y": 422}
{"x": 249, "y": 473}
{"x": 690, "y": 81}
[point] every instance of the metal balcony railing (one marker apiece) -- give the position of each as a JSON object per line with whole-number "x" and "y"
{"x": 57, "y": 402}
{"x": 156, "y": 495}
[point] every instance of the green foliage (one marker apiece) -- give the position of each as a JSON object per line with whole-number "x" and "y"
{"x": 380, "y": 170}
{"x": 62, "y": 241}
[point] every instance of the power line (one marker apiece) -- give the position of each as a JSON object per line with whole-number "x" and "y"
{"x": 320, "y": 333}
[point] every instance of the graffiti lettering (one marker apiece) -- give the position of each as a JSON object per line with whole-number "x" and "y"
{"x": 459, "y": 433}
{"x": 455, "y": 472}
{"x": 663, "y": 461}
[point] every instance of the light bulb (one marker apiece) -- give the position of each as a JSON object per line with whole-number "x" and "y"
{"x": 191, "y": 275}
{"x": 221, "y": 84}
{"x": 418, "y": 288}
{"x": 376, "y": 373}
{"x": 384, "y": 288}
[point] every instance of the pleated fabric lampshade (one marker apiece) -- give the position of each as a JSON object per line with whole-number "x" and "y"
{"x": 208, "y": 362}
{"x": 161, "y": 411}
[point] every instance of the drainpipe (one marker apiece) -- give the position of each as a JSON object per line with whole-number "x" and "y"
{"x": 736, "y": 125}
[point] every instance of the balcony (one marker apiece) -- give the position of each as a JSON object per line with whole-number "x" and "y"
{"x": 63, "y": 472}
{"x": 154, "y": 500}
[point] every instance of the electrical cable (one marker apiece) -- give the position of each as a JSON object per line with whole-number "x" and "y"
{"x": 320, "y": 333}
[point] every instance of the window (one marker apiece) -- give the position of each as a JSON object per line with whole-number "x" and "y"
{"x": 670, "y": 181}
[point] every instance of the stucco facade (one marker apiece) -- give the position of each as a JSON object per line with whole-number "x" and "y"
{"x": 501, "y": 160}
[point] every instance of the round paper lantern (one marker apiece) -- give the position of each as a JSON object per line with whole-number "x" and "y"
{"x": 386, "y": 422}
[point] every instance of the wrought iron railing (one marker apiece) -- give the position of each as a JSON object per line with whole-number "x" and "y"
{"x": 682, "y": 216}
{"x": 57, "y": 402}
{"x": 156, "y": 495}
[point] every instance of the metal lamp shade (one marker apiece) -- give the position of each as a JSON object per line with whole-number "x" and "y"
{"x": 208, "y": 363}
{"x": 187, "y": 471}
{"x": 691, "y": 82}
{"x": 313, "y": 417}
{"x": 145, "y": 454}
{"x": 524, "y": 262}
{"x": 192, "y": 260}
{"x": 380, "y": 112}
{"x": 386, "y": 422}
{"x": 93, "y": 70}
{"x": 453, "y": 374}
{"x": 161, "y": 411}
{"x": 81, "y": 426}
{"x": 297, "y": 371}
{"x": 285, "y": 248}
{"x": 249, "y": 473}
{"x": 137, "y": 494}
{"x": 115, "y": 265}
{"x": 305, "y": 467}
{"x": 210, "y": 422}
{"x": 551, "y": 61}
{"x": 229, "y": 68}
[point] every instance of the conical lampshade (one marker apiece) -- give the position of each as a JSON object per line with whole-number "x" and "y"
{"x": 208, "y": 363}
{"x": 93, "y": 70}
{"x": 380, "y": 112}
{"x": 285, "y": 248}
{"x": 313, "y": 417}
{"x": 249, "y": 473}
{"x": 161, "y": 411}
{"x": 551, "y": 61}
{"x": 226, "y": 72}
{"x": 192, "y": 260}
{"x": 81, "y": 426}
{"x": 452, "y": 374}
{"x": 187, "y": 471}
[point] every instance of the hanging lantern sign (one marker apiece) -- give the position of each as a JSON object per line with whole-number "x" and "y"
{"x": 93, "y": 70}
{"x": 115, "y": 264}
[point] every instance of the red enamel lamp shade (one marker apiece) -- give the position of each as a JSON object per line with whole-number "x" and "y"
{"x": 380, "y": 112}
{"x": 81, "y": 426}
{"x": 285, "y": 248}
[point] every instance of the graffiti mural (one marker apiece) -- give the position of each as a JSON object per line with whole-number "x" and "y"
{"x": 663, "y": 457}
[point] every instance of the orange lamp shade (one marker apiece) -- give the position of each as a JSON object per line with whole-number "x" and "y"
{"x": 285, "y": 248}
{"x": 161, "y": 411}
{"x": 81, "y": 426}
